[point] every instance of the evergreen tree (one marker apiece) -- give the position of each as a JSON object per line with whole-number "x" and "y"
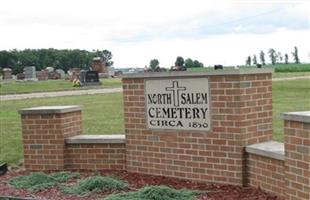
{"x": 254, "y": 60}
{"x": 286, "y": 58}
{"x": 295, "y": 55}
{"x": 248, "y": 61}
{"x": 273, "y": 56}
{"x": 262, "y": 57}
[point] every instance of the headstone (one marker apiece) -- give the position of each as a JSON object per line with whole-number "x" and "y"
{"x": 89, "y": 78}
{"x": 20, "y": 76}
{"x": 30, "y": 73}
{"x": 99, "y": 65}
{"x": 42, "y": 75}
{"x": 54, "y": 75}
{"x": 216, "y": 67}
{"x": 7, "y": 74}
{"x": 61, "y": 72}
{"x": 259, "y": 65}
{"x": 73, "y": 73}
{"x": 50, "y": 69}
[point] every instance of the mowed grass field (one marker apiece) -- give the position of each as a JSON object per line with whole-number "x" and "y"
{"x": 103, "y": 114}
{"x": 60, "y": 85}
{"x": 52, "y": 85}
{"x": 290, "y": 69}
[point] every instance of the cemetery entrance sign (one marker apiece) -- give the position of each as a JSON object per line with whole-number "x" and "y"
{"x": 178, "y": 104}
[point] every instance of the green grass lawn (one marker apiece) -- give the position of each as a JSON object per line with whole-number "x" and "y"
{"x": 289, "y": 74}
{"x": 280, "y": 74}
{"x": 51, "y": 85}
{"x": 103, "y": 114}
{"x": 60, "y": 85}
{"x": 288, "y": 96}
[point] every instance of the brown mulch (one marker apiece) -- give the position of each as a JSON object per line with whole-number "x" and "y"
{"x": 136, "y": 181}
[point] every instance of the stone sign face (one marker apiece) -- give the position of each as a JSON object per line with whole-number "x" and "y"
{"x": 178, "y": 104}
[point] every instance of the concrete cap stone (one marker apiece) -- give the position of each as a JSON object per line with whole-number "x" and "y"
{"x": 303, "y": 116}
{"x": 96, "y": 139}
{"x": 50, "y": 109}
{"x": 270, "y": 149}
{"x": 198, "y": 74}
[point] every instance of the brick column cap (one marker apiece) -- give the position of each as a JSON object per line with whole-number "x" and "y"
{"x": 303, "y": 116}
{"x": 96, "y": 139}
{"x": 198, "y": 74}
{"x": 50, "y": 109}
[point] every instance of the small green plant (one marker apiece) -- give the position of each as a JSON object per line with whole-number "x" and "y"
{"x": 156, "y": 193}
{"x": 95, "y": 184}
{"x": 39, "y": 181}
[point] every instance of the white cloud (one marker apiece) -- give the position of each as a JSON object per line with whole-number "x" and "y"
{"x": 138, "y": 30}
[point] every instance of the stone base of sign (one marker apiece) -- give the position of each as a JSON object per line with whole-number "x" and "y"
{"x": 236, "y": 150}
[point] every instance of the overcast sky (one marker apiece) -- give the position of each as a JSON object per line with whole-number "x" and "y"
{"x": 136, "y": 31}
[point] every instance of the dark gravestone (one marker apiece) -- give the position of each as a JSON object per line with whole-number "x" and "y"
{"x": 89, "y": 78}
{"x": 3, "y": 168}
{"x": 216, "y": 67}
{"x": 259, "y": 65}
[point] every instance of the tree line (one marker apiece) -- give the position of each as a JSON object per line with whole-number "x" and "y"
{"x": 274, "y": 56}
{"x": 60, "y": 59}
{"x": 180, "y": 62}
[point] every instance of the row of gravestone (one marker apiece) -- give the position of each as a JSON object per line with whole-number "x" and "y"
{"x": 86, "y": 77}
{"x": 30, "y": 74}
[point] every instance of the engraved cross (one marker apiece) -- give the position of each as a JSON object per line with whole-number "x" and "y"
{"x": 175, "y": 89}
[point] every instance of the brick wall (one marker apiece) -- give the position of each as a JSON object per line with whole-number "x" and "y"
{"x": 266, "y": 173}
{"x": 241, "y": 117}
{"x": 95, "y": 156}
{"x": 297, "y": 157}
{"x": 241, "y": 114}
{"x": 44, "y": 131}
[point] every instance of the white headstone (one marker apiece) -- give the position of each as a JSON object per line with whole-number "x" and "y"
{"x": 30, "y": 73}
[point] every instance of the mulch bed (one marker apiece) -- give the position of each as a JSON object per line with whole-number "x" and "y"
{"x": 136, "y": 181}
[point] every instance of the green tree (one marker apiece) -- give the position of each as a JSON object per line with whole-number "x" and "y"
{"x": 248, "y": 61}
{"x": 254, "y": 60}
{"x": 262, "y": 57}
{"x": 272, "y": 56}
{"x": 295, "y": 55}
{"x": 189, "y": 63}
{"x": 179, "y": 61}
{"x": 198, "y": 64}
{"x": 154, "y": 63}
{"x": 286, "y": 58}
{"x": 60, "y": 59}
{"x": 107, "y": 57}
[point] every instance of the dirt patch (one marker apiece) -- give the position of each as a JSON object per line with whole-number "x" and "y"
{"x": 137, "y": 181}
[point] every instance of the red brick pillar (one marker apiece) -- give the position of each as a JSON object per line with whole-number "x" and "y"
{"x": 44, "y": 130}
{"x": 240, "y": 114}
{"x": 297, "y": 155}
